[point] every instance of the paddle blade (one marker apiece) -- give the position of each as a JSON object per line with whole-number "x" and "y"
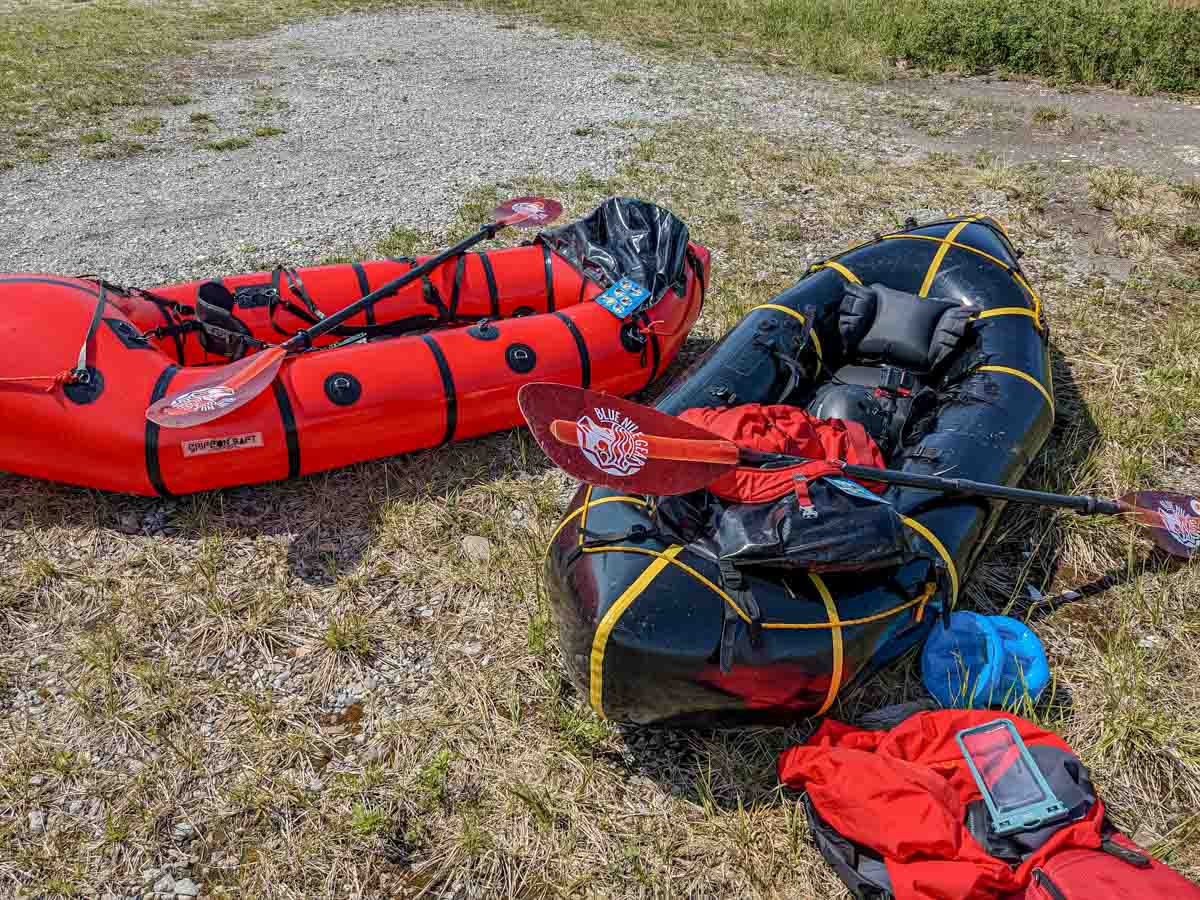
{"x": 1173, "y": 520}
{"x": 608, "y": 441}
{"x": 227, "y": 389}
{"x": 527, "y": 212}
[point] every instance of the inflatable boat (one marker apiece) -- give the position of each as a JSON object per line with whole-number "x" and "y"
{"x": 439, "y": 361}
{"x": 931, "y": 338}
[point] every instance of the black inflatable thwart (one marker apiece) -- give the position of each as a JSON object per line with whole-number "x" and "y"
{"x": 643, "y": 613}
{"x": 484, "y": 331}
{"x": 521, "y": 358}
{"x": 343, "y": 388}
{"x": 87, "y": 388}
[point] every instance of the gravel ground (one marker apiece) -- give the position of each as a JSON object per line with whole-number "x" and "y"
{"x": 390, "y": 118}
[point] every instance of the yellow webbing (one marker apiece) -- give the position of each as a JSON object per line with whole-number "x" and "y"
{"x": 795, "y": 315}
{"x": 1007, "y": 311}
{"x": 583, "y": 509}
{"x": 646, "y": 551}
{"x": 1025, "y": 376}
{"x": 834, "y": 623}
{"x": 587, "y": 504}
{"x": 947, "y": 243}
{"x": 839, "y": 268}
{"x": 835, "y": 636}
{"x": 797, "y": 626}
{"x": 604, "y": 629}
{"x": 937, "y": 545}
{"x": 1037, "y": 301}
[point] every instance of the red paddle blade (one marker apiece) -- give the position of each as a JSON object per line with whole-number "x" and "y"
{"x": 527, "y": 212}
{"x": 229, "y": 388}
{"x": 1173, "y": 520}
{"x": 604, "y": 440}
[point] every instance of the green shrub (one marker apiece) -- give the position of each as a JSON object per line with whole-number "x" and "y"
{"x": 1143, "y": 44}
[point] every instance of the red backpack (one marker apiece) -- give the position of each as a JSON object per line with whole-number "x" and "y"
{"x": 897, "y": 814}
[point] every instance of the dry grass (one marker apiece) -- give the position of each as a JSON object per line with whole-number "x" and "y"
{"x": 423, "y": 739}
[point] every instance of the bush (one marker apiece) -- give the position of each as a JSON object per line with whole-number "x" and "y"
{"x": 1145, "y": 45}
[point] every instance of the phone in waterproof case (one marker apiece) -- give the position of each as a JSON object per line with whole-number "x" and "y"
{"x": 1013, "y": 787}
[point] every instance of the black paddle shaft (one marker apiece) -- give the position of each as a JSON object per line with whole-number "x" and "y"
{"x": 1088, "y": 506}
{"x": 303, "y": 339}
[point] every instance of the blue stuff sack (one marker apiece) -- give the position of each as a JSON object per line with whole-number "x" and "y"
{"x": 982, "y": 661}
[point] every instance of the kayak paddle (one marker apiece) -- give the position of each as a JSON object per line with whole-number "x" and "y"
{"x": 236, "y": 384}
{"x": 605, "y": 440}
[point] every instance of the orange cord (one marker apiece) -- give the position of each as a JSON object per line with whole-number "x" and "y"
{"x": 61, "y": 380}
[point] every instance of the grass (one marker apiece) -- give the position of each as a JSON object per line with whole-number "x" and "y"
{"x": 476, "y": 764}
{"x": 236, "y": 142}
{"x": 1146, "y": 45}
{"x": 266, "y": 131}
{"x": 146, "y": 125}
{"x": 1047, "y": 115}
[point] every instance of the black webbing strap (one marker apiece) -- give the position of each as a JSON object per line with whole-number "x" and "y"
{"x": 549, "y": 265}
{"x": 460, "y": 269}
{"x": 493, "y": 293}
{"x": 698, "y": 271}
{"x": 430, "y": 293}
{"x": 297, "y": 288}
{"x": 364, "y": 288}
{"x": 80, "y": 374}
{"x": 735, "y": 584}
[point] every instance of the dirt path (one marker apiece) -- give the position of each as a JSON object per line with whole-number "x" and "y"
{"x": 1024, "y": 122}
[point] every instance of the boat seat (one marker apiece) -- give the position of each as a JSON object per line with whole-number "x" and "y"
{"x": 880, "y": 324}
{"x": 899, "y": 343}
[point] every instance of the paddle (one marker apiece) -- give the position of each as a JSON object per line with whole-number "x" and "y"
{"x": 605, "y": 440}
{"x": 236, "y": 384}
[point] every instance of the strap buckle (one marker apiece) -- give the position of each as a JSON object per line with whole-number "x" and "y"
{"x": 896, "y": 381}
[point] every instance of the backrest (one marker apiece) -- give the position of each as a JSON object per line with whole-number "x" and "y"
{"x": 880, "y": 324}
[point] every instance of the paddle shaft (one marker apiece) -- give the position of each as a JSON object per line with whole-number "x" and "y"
{"x": 1081, "y": 504}
{"x": 305, "y": 338}
{"x": 727, "y": 453}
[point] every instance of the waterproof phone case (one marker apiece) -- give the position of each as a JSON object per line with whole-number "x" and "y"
{"x": 1013, "y": 787}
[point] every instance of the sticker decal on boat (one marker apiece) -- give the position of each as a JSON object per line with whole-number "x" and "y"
{"x": 1181, "y": 526}
{"x": 624, "y": 298}
{"x": 614, "y": 445}
{"x": 201, "y": 400}
{"x": 204, "y": 446}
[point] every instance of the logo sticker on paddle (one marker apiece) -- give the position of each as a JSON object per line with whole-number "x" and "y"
{"x": 1180, "y": 525}
{"x": 203, "y": 399}
{"x": 528, "y": 212}
{"x": 605, "y": 440}
{"x": 613, "y": 444}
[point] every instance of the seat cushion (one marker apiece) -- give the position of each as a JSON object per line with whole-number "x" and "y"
{"x": 881, "y": 324}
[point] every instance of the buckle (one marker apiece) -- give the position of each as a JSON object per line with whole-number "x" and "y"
{"x": 897, "y": 381}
